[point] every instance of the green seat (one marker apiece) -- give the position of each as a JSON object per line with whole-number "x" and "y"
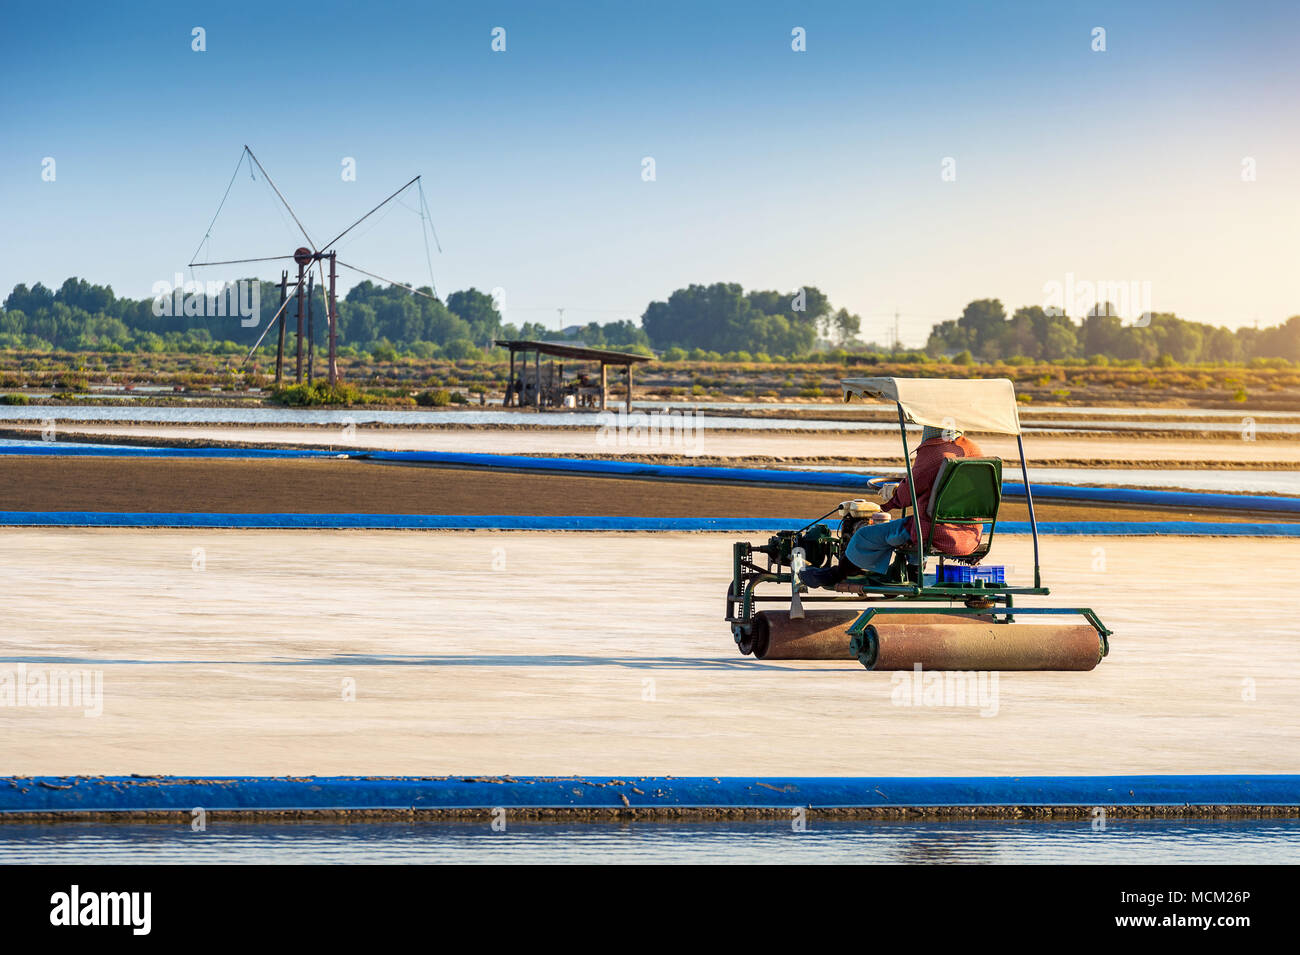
{"x": 967, "y": 491}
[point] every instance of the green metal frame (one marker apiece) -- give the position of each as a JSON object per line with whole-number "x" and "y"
{"x": 1010, "y": 613}
{"x": 980, "y": 597}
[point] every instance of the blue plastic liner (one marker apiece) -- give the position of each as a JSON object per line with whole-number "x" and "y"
{"x": 1152, "y": 529}
{"x": 253, "y": 793}
{"x": 70, "y": 449}
{"x": 1153, "y": 498}
{"x": 520, "y": 462}
{"x": 527, "y": 522}
{"x": 504, "y": 522}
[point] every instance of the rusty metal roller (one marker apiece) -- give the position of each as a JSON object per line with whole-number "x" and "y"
{"x": 983, "y": 646}
{"x": 936, "y": 641}
{"x": 823, "y": 634}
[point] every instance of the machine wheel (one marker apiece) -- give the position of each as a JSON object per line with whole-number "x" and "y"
{"x": 759, "y": 636}
{"x": 742, "y": 633}
{"x": 863, "y": 646}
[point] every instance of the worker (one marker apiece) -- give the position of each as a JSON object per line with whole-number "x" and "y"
{"x": 872, "y": 546}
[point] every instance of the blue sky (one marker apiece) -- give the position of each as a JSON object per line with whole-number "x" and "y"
{"x": 773, "y": 168}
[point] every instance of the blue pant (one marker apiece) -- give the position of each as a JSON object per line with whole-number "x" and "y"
{"x": 872, "y": 545}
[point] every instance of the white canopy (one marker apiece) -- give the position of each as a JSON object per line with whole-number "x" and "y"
{"x": 962, "y": 404}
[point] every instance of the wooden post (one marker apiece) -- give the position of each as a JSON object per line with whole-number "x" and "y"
{"x": 604, "y": 384}
{"x": 297, "y": 375}
{"x": 510, "y": 382}
{"x": 629, "y": 387}
{"x": 279, "y": 350}
{"x": 334, "y": 325}
{"x": 311, "y": 326}
{"x": 537, "y": 381}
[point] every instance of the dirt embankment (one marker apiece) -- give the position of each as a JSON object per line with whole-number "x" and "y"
{"x": 235, "y": 485}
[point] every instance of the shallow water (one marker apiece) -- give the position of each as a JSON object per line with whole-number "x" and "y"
{"x": 1025, "y": 412}
{"x": 552, "y": 419}
{"x": 774, "y": 841}
{"x": 362, "y": 416}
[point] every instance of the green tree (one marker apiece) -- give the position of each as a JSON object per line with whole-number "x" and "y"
{"x": 478, "y": 311}
{"x": 947, "y": 338}
{"x": 984, "y": 321}
{"x": 842, "y": 327}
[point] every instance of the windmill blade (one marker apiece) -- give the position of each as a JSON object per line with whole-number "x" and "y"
{"x": 424, "y": 234}
{"x": 268, "y": 258}
{"x": 313, "y": 245}
{"x": 208, "y": 234}
{"x": 425, "y": 203}
{"x": 389, "y": 281}
{"x": 371, "y": 212}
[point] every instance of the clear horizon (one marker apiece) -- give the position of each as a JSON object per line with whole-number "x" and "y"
{"x": 773, "y": 168}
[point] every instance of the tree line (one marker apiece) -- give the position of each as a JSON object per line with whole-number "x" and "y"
{"x": 80, "y": 316}
{"x": 699, "y": 321}
{"x": 984, "y": 331}
{"x": 723, "y": 317}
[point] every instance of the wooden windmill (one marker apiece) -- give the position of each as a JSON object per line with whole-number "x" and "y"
{"x": 306, "y": 257}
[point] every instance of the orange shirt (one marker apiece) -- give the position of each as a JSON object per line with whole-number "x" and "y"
{"x": 954, "y": 539}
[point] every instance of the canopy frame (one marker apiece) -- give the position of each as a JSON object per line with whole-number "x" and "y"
{"x": 918, "y": 408}
{"x": 961, "y": 404}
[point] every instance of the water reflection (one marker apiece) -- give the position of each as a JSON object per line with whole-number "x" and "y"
{"x": 765, "y": 841}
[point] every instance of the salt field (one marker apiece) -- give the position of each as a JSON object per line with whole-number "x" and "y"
{"x": 248, "y": 652}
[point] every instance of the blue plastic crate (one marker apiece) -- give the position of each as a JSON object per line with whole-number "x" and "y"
{"x": 964, "y": 574}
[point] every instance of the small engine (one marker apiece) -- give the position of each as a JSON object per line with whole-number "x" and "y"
{"x": 819, "y": 545}
{"x": 854, "y": 514}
